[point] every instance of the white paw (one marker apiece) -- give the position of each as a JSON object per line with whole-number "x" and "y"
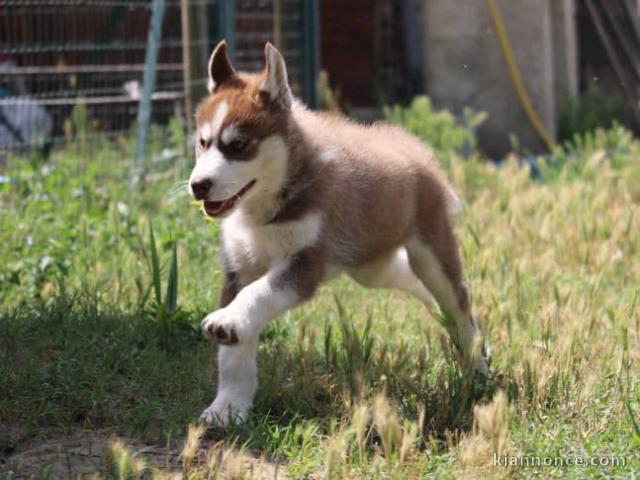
{"x": 224, "y": 411}
{"x": 225, "y": 326}
{"x": 477, "y": 362}
{"x": 481, "y": 366}
{"x": 480, "y": 363}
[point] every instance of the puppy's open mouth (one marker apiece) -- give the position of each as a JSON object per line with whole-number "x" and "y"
{"x": 215, "y": 209}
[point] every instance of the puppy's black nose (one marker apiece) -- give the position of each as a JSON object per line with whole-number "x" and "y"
{"x": 201, "y": 188}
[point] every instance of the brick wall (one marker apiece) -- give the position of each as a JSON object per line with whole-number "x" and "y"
{"x": 347, "y": 49}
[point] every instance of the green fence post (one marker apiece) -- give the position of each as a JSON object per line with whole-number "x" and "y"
{"x": 311, "y": 50}
{"x": 227, "y": 25}
{"x": 149, "y": 80}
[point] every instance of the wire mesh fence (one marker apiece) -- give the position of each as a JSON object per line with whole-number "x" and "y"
{"x": 67, "y": 62}
{"x": 289, "y": 25}
{"x": 73, "y": 66}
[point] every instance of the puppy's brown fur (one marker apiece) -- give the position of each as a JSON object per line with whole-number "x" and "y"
{"x": 330, "y": 196}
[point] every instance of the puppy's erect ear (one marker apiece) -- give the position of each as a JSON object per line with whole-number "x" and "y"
{"x": 276, "y": 85}
{"x": 220, "y": 68}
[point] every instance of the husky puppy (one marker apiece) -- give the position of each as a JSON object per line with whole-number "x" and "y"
{"x": 304, "y": 196}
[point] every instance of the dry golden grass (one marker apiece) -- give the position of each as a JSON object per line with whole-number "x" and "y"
{"x": 555, "y": 269}
{"x": 356, "y": 384}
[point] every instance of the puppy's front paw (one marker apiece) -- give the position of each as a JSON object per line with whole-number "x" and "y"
{"x": 481, "y": 363}
{"x": 224, "y": 326}
{"x": 224, "y": 411}
{"x": 476, "y": 362}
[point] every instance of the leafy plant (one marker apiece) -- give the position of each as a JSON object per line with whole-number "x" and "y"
{"x": 77, "y": 127}
{"x": 439, "y": 129}
{"x": 592, "y": 110}
{"x": 586, "y": 153}
{"x": 329, "y": 98}
{"x": 171, "y": 322}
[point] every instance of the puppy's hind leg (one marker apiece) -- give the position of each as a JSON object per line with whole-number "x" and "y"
{"x": 437, "y": 264}
{"x": 392, "y": 271}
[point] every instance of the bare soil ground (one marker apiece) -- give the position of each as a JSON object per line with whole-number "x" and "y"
{"x": 84, "y": 455}
{"x": 79, "y": 455}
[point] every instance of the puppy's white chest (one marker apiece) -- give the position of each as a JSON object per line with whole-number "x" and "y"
{"x": 258, "y": 246}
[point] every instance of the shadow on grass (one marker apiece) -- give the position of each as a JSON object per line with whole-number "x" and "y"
{"x": 75, "y": 363}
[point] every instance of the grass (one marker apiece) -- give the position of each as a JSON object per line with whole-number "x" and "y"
{"x": 355, "y": 383}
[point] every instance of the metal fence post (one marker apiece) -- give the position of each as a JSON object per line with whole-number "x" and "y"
{"x": 311, "y": 50}
{"x": 227, "y": 25}
{"x": 186, "y": 63}
{"x": 149, "y": 78}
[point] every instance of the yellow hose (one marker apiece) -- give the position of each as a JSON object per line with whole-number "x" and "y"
{"x": 516, "y": 78}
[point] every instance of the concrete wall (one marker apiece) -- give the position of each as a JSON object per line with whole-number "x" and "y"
{"x": 464, "y": 65}
{"x": 564, "y": 30}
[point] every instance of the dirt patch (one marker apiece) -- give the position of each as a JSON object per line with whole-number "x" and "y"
{"x": 79, "y": 456}
{"x": 83, "y": 455}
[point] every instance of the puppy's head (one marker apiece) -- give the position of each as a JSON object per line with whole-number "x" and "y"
{"x": 241, "y": 129}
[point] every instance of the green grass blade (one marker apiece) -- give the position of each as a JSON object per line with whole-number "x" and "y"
{"x": 632, "y": 418}
{"x": 155, "y": 265}
{"x": 171, "y": 298}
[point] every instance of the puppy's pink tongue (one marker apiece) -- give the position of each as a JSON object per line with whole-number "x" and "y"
{"x": 226, "y": 205}
{"x": 212, "y": 208}
{"x": 216, "y": 208}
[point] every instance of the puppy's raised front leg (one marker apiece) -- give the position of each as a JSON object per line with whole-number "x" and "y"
{"x": 288, "y": 283}
{"x": 237, "y": 326}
